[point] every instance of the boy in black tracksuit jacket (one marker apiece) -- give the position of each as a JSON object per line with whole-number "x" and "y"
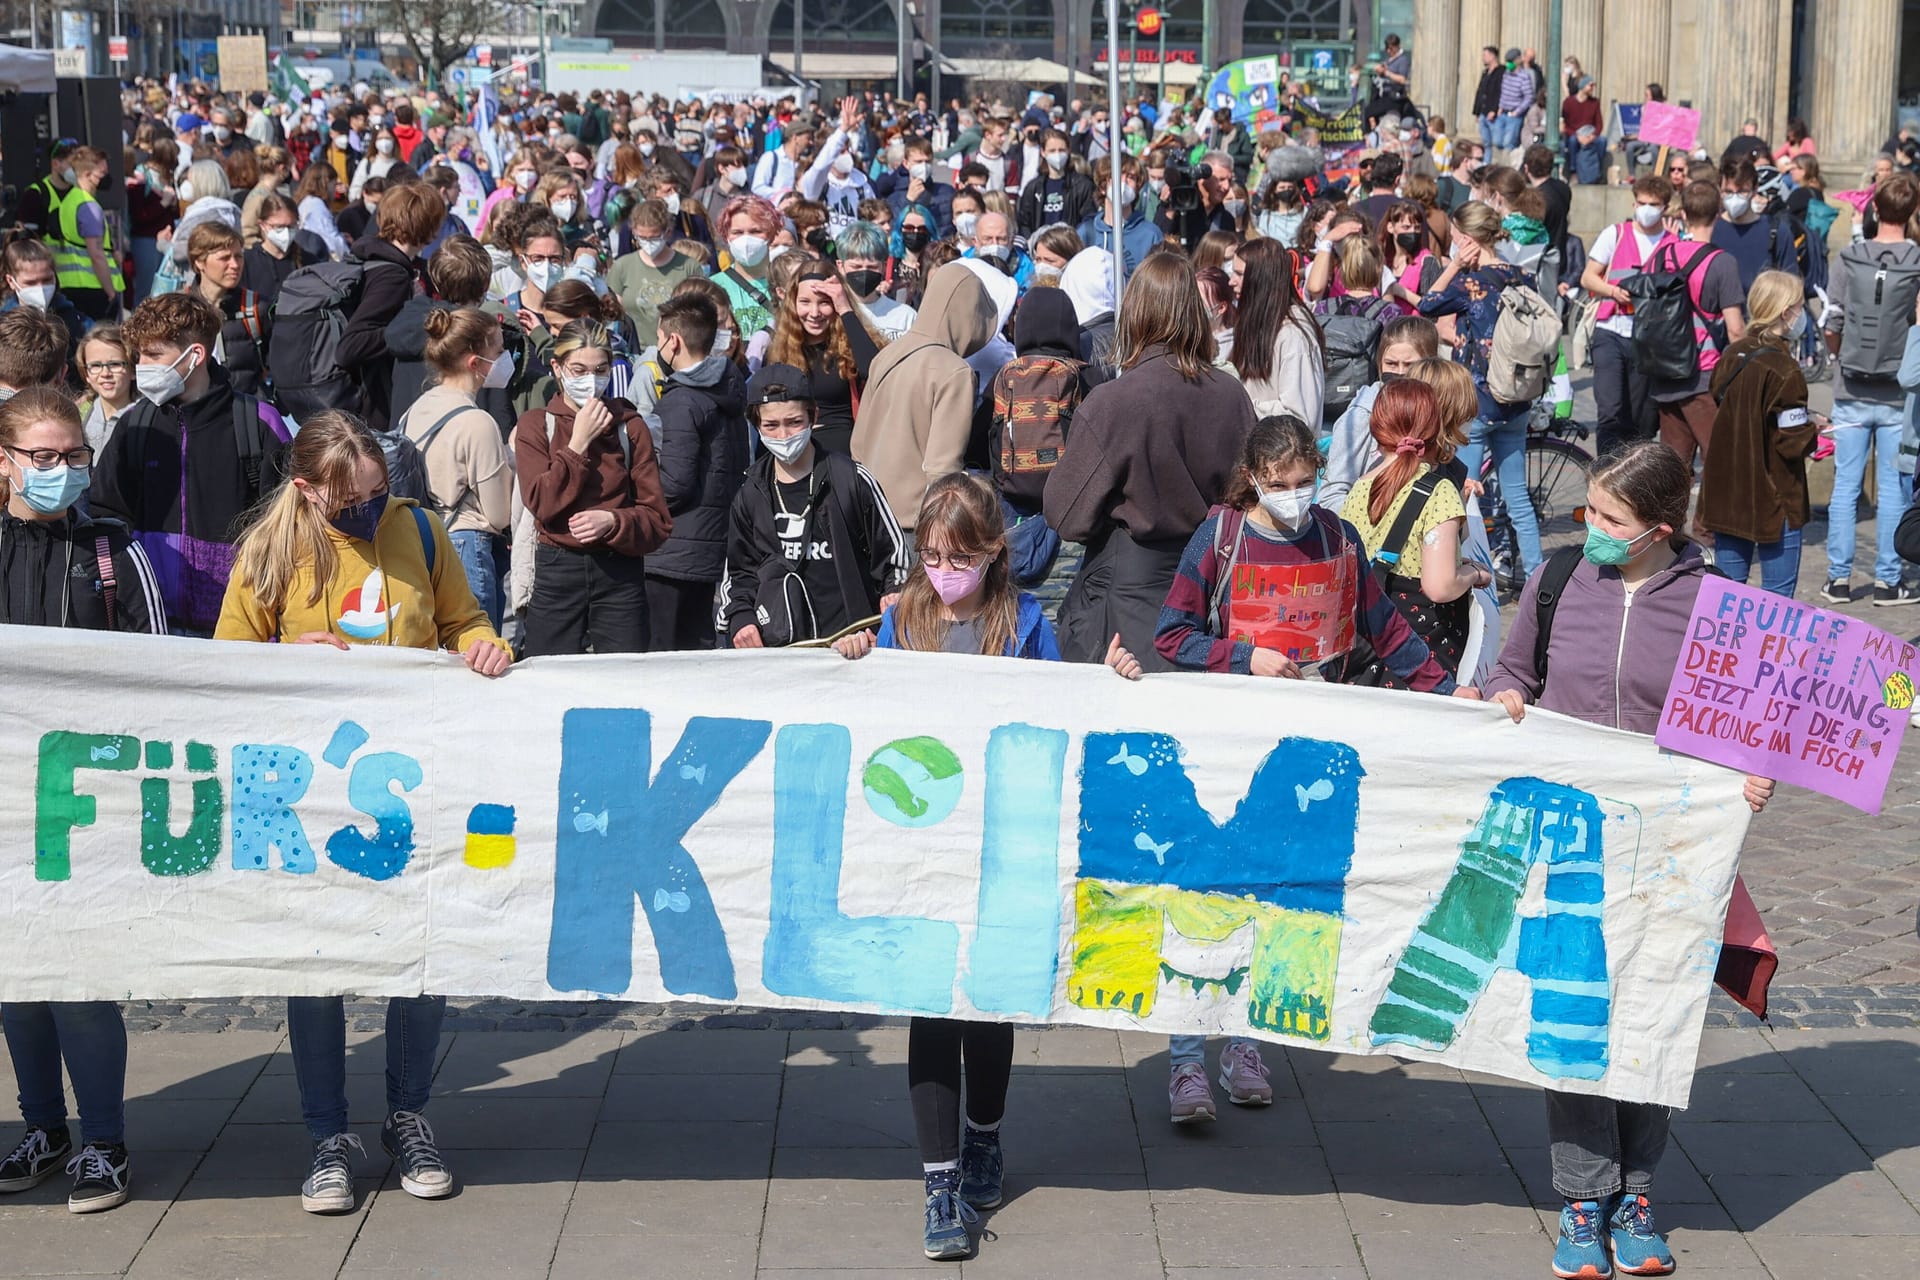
{"x": 813, "y": 547}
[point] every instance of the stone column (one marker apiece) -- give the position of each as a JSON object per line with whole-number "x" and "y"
{"x": 1634, "y": 48}
{"x": 1479, "y": 25}
{"x": 1738, "y": 65}
{"x": 1523, "y": 23}
{"x": 1435, "y": 45}
{"x": 1850, "y": 108}
{"x": 1581, "y": 35}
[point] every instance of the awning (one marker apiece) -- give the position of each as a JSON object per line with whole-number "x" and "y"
{"x": 1180, "y": 73}
{"x": 829, "y": 65}
{"x": 1034, "y": 71}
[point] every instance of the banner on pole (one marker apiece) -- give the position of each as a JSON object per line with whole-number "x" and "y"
{"x": 1342, "y": 869}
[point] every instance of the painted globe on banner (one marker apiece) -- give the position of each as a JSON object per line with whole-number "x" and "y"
{"x": 913, "y": 782}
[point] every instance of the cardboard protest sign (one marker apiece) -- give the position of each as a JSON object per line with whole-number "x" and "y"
{"x": 1663, "y": 124}
{"x": 1794, "y": 693}
{"x": 907, "y": 834}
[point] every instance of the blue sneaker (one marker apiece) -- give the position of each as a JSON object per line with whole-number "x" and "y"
{"x": 1638, "y": 1249}
{"x": 1581, "y": 1253}
{"x": 980, "y": 1168}
{"x": 948, "y": 1217}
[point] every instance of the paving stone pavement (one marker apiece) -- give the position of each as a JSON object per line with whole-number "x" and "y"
{"x": 767, "y": 1153}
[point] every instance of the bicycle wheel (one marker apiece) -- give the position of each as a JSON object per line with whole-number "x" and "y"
{"x": 1557, "y": 484}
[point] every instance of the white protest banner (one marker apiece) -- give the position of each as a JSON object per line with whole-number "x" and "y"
{"x": 1341, "y": 869}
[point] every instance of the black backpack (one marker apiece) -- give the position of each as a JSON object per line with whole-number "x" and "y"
{"x": 1664, "y": 346}
{"x": 1554, "y": 577}
{"x": 1352, "y": 331}
{"x": 310, "y": 316}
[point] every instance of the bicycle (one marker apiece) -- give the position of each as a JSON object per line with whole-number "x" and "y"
{"x": 1557, "y": 464}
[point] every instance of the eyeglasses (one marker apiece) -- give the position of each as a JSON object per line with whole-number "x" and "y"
{"x": 48, "y": 459}
{"x": 934, "y": 560}
{"x": 106, "y": 366}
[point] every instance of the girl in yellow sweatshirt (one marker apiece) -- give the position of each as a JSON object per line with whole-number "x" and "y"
{"x": 334, "y": 560}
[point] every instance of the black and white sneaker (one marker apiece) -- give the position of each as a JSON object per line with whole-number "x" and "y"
{"x": 100, "y": 1178}
{"x": 409, "y": 1139}
{"x": 37, "y": 1158}
{"x": 1888, "y": 595}
{"x": 1839, "y": 591}
{"x": 329, "y": 1185}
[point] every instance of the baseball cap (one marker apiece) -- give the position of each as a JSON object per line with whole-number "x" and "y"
{"x": 187, "y": 122}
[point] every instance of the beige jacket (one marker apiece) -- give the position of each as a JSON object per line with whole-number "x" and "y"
{"x": 469, "y": 471}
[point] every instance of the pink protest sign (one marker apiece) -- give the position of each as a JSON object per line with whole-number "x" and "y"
{"x": 1665, "y": 125}
{"x": 1782, "y": 689}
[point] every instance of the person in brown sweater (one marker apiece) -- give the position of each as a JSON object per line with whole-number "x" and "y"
{"x": 590, "y": 483}
{"x": 1150, "y": 453}
{"x": 1753, "y": 494}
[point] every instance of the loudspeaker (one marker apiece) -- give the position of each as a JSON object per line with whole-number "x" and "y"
{"x": 89, "y": 110}
{"x": 26, "y": 139}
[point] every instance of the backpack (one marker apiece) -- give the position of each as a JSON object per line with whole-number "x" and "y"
{"x": 1353, "y": 347}
{"x": 310, "y": 316}
{"x": 1878, "y": 296}
{"x": 1664, "y": 345}
{"x": 1526, "y": 340}
{"x": 1553, "y": 582}
{"x": 1034, "y": 400}
{"x": 407, "y": 458}
{"x": 1361, "y": 664}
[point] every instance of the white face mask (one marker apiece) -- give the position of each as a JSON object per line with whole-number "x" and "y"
{"x": 525, "y": 178}
{"x": 998, "y": 252}
{"x": 1648, "y": 216}
{"x": 842, "y": 165}
{"x": 35, "y": 295}
{"x": 789, "y": 448}
{"x": 221, "y": 133}
{"x": 646, "y": 148}
{"x": 162, "y": 382}
{"x": 1737, "y": 204}
{"x": 280, "y": 238}
{"x": 651, "y": 248}
{"x": 543, "y": 275}
{"x": 1128, "y": 194}
{"x": 564, "y": 209}
{"x": 500, "y": 372}
{"x": 339, "y": 142}
{"x": 748, "y": 251}
{"x": 722, "y": 341}
{"x": 672, "y": 201}
{"x": 964, "y": 223}
{"x": 919, "y": 170}
{"x": 736, "y": 176}
{"x": 583, "y": 387}
{"x": 1288, "y": 507}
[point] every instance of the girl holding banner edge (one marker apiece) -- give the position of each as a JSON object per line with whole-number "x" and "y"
{"x": 1636, "y": 571}
{"x": 45, "y": 461}
{"x": 328, "y": 559}
{"x": 962, "y": 599}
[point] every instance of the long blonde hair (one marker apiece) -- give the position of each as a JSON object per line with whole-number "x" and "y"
{"x": 966, "y": 513}
{"x": 288, "y": 532}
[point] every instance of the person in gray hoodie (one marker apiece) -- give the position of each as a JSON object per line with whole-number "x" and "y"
{"x": 702, "y": 429}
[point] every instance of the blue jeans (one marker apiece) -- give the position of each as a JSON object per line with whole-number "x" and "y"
{"x": 1192, "y": 1050}
{"x": 1486, "y": 130}
{"x": 1506, "y": 130}
{"x": 90, "y": 1035}
{"x": 483, "y": 555}
{"x": 1587, "y": 160}
{"x": 1858, "y": 425}
{"x": 1779, "y": 561}
{"x": 1508, "y": 443}
{"x": 317, "y": 1034}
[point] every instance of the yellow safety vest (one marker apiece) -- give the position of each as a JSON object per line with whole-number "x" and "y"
{"x": 72, "y": 267}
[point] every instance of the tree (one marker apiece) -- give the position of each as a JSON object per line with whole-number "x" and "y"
{"x": 440, "y": 32}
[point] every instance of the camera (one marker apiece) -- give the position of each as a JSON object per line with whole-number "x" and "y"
{"x": 1183, "y": 186}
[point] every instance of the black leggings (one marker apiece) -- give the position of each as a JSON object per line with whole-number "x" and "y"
{"x": 935, "y": 1047}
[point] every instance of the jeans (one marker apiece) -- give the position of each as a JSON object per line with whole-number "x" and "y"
{"x": 1508, "y": 443}
{"x": 1779, "y": 561}
{"x": 1600, "y": 1147}
{"x": 1486, "y": 130}
{"x": 317, "y": 1034}
{"x": 1587, "y": 160}
{"x": 586, "y": 600}
{"x": 91, "y": 1037}
{"x": 1506, "y": 131}
{"x": 1192, "y": 1050}
{"x": 483, "y": 556}
{"x": 1859, "y": 424}
{"x": 1623, "y": 408}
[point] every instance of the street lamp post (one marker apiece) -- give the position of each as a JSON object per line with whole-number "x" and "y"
{"x": 1113, "y": 145}
{"x": 799, "y": 19}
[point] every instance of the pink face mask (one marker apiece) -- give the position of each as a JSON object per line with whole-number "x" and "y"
{"x": 956, "y": 584}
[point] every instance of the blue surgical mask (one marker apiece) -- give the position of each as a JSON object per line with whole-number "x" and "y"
{"x": 1605, "y": 549}
{"x": 362, "y": 519}
{"x": 54, "y": 490}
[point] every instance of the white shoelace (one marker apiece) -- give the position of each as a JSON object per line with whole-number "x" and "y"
{"x": 92, "y": 1165}
{"x": 329, "y": 1175}
{"x": 416, "y": 1139}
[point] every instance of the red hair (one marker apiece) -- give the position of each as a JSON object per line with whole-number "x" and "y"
{"x": 765, "y": 218}
{"x": 1406, "y": 426}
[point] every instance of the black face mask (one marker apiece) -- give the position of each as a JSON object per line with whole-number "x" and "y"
{"x": 916, "y": 238}
{"x": 1409, "y": 241}
{"x": 863, "y": 283}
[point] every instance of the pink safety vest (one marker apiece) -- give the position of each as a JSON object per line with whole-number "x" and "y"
{"x": 1626, "y": 261}
{"x": 1696, "y": 279}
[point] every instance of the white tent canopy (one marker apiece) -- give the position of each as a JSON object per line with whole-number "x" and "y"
{"x": 26, "y": 70}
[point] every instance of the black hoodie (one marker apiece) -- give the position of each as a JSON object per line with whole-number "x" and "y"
{"x": 51, "y": 575}
{"x": 702, "y": 455}
{"x": 363, "y": 344}
{"x": 407, "y": 341}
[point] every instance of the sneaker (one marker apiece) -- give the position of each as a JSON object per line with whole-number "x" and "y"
{"x": 32, "y": 1162}
{"x": 980, "y": 1168}
{"x": 1245, "y": 1077}
{"x": 408, "y": 1139}
{"x": 1581, "y": 1253}
{"x": 329, "y": 1187}
{"x": 1839, "y": 591}
{"x": 100, "y": 1178}
{"x": 948, "y": 1218}
{"x": 1189, "y": 1096}
{"x": 1638, "y": 1249}
{"x": 1888, "y": 595}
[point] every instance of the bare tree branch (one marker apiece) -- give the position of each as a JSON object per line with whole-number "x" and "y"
{"x": 440, "y": 32}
